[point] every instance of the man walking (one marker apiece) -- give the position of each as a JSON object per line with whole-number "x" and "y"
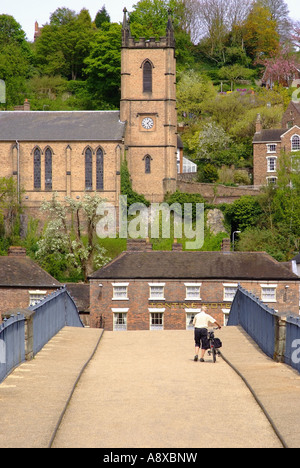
{"x": 201, "y": 322}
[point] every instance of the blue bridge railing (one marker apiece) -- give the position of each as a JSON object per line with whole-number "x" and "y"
{"x": 52, "y": 314}
{"x": 256, "y": 318}
{"x": 42, "y": 321}
{"x": 292, "y": 344}
{"x": 12, "y": 344}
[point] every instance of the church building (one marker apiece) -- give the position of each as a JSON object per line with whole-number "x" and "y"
{"x": 71, "y": 153}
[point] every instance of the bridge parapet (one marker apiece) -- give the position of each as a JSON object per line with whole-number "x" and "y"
{"x": 24, "y": 332}
{"x": 278, "y": 336}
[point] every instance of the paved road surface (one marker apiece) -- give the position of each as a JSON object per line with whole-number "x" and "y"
{"x": 142, "y": 389}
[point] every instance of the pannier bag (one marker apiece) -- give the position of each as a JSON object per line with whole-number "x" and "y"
{"x": 218, "y": 343}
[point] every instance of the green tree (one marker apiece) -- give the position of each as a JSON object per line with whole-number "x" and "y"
{"x": 243, "y": 213}
{"x": 235, "y": 72}
{"x": 103, "y": 66}
{"x": 261, "y": 38}
{"x": 193, "y": 91}
{"x": 74, "y": 244}
{"x": 15, "y": 59}
{"x": 102, "y": 17}
{"x": 64, "y": 44}
{"x": 10, "y": 208}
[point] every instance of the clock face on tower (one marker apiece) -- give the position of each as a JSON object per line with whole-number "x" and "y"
{"x": 147, "y": 123}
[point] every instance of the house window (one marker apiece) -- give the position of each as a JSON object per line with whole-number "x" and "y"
{"x": 147, "y": 77}
{"x": 120, "y": 291}
{"x": 157, "y": 290}
{"x": 156, "y": 319}
{"x": 48, "y": 169}
{"x": 271, "y": 148}
{"x": 268, "y": 292}
{"x": 99, "y": 169}
{"x": 37, "y": 168}
{"x": 271, "y": 164}
{"x": 272, "y": 180}
{"x": 120, "y": 319}
{"x": 192, "y": 291}
{"x": 36, "y": 296}
{"x": 88, "y": 169}
{"x": 147, "y": 164}
{"x": 190, "y": 315}
{"x": 295, "y": 143}
{"x": 229, "y": 291}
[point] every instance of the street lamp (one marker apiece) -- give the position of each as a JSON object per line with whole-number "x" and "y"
{"x": 235, "y": 232}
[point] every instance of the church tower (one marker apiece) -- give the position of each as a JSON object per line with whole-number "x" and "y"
{"x": 148, "y": 105}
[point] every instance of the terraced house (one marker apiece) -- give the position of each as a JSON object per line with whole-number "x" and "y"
{"x": 269, "y": 143}
{"x": 144, "y": 289}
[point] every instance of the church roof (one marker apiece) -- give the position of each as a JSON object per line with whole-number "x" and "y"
{"x": 61, "y": 126}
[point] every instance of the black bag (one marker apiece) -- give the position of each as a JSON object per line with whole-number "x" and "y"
{"x": 218, "y": 343}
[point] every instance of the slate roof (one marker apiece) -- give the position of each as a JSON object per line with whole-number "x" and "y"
{"x": 61, "y": 126}
{"x": 271, "y": 135}
{"x": 80, "y": 292}
{"x": 24, "y": 272}
{"x": 160, "y": 265}
{"x": 297, "y": 258}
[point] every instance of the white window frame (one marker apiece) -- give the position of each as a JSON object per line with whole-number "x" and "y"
{"x": 272, "y": 178}
{"x": 156, "y": 311}
{"x": 189, "y": 314}
{"x": 269, "y": 150}
{"x": 36, "y": 296}
{"x": 268, "y": 286}
{"x": 269, "y": 159}
{"x": 152, "y": 297}
{"x": 115, "y": 325}
{"x": 293, "y": 136}
{"x": 226, "y": 313}
{"x": 120, "y": 298}
{"x": 196, "y": 295}
{"x": 231, "y": 286}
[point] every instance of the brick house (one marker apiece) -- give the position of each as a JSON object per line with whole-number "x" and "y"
{"x": 144, "y": 289}
{"x": 22, "y": 281}
{"x": 70, "y": 153}
{"x": 268, "y": 144}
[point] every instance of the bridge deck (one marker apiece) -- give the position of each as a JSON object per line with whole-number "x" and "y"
{"x": 142, "y": 389}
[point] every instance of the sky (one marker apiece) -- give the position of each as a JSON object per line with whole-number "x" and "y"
{"x": 27, "y": 12}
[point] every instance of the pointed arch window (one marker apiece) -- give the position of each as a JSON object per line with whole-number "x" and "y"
{"x": 88, "y": 169}
{"x": 147, "y": 160}
{"x": 147, "y": 77}
{"x": 48, "y": 169}
{"x": 99, "y": 169}
{"x": 37, "y": 168}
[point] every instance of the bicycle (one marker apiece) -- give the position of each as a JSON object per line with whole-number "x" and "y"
{"x": 213, "y": 350}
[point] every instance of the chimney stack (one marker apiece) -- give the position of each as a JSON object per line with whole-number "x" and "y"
{"x": 16, "y": 251}
{"x": 226, "y": 245}
{"x": 138, "y": 245}
{"x": 258, "y": 124}
{"x": 177, "y": 247}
